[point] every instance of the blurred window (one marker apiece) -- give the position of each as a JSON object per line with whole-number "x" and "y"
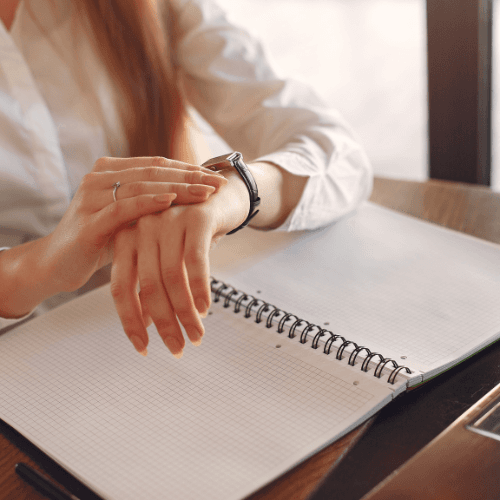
{"x": 366, "y": 58}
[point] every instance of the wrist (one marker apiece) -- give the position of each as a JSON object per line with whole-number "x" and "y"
{"x": 233, "y": 162}
{"x": 236, "y": 203}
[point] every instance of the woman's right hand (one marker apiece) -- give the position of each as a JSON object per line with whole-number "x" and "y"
{"x": 81, "y": 242}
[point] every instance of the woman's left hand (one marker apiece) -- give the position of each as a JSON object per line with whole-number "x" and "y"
{"x": 167, "y": 255}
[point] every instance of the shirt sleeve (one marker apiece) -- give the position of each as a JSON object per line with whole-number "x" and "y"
{"x": 6, "y": 322}
{"x": 227, "y": 78}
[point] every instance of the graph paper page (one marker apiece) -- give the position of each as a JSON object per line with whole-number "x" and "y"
{"x": 406, "y": 288}
{"x": 224, "y": 420}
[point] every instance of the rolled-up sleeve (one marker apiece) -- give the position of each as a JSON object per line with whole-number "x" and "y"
{"x": 227, "y": 78}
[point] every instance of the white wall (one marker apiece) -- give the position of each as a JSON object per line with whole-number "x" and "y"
{"x": 366, "y": 58}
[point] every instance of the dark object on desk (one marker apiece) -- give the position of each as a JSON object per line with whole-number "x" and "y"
{"x": 50, "y": 467}
{"x": 409, "y": 423}
{"x": 41, "y": 483}
{"x": 463, "y": 462}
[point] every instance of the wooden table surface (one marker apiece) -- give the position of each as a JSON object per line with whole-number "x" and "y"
{"x": 472, "y": 209}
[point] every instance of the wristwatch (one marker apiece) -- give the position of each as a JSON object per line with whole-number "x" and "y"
{"x": 235, "y": 160}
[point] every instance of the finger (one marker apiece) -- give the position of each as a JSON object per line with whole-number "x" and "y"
{"x": 196, "y": 251}
{"x": 124, "y": 290}
{"x": 146, "y": 316}
{"x": 105, "y": 181}
{"x": 114, "y": 215}
{"x": 186, "y": 193}
{"x": 153, "y": 294}
{"x": 175, "y": 280}
{"x": 118, "y": 164}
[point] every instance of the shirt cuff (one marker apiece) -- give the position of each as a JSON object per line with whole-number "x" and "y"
{"x": 330, "y": 193}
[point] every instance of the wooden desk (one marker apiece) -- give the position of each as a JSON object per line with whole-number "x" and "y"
{"x": 468, "y": 208}
{"x": 459, "y": 464}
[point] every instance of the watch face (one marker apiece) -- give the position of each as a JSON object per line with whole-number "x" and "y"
{"x": 222, "y": 161}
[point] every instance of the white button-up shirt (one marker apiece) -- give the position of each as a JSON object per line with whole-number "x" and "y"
{"x": 59, "y": 114}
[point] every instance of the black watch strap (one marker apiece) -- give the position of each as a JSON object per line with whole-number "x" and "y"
{"x": 235, "y": 160}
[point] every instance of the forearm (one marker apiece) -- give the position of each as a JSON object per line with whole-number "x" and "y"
{"x": 24, "y": 283}
{"x": 280, "y": 192}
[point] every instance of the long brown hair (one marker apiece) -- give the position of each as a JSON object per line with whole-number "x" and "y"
{"x": 136, "y": 39}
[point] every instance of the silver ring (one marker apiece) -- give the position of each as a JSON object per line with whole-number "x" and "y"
{"x": 116, "y": 185}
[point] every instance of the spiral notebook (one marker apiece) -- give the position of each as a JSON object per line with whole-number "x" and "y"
{"x": 309, "y": 334}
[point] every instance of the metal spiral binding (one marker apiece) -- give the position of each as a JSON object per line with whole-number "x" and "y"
{"x": 222, "y": 290}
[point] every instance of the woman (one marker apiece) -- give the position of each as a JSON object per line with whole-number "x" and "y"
{"x": 107, "y": 83}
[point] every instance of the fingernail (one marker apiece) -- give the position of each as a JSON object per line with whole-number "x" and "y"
{"x": 174, "y": 346}
{"x": 201, "y": 307}
{"x": 200, "y": 190}
{"x": 139, "y": 345}
{"x": 165, "y": 198}
{"x": 195, "y": 336}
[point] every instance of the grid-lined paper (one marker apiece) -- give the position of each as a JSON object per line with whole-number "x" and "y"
{"x": 217, "y": 424}
{"x": 413, "y": 291}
